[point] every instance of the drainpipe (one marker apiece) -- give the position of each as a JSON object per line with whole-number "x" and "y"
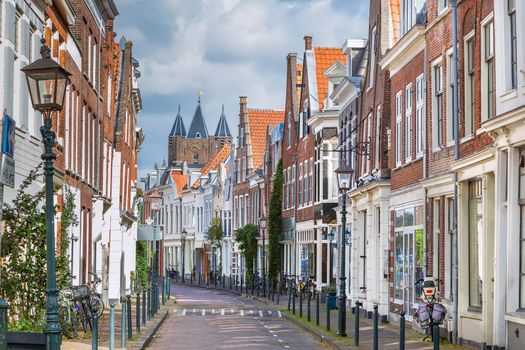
{"x": 455, "y": 250}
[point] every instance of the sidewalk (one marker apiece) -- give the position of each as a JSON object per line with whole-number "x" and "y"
{"x": 388, "y": 333}
{"x": 138, "y": 341}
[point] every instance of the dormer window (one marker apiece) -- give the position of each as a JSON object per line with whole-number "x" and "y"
{"x": 198, "y": 135}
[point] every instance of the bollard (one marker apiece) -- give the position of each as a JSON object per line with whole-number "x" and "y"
{"x": 253, "y": 286}
{"x": 279, "y": 286}
{"x": 301, "y": 303}
{"x": 164, "y": 291}
{"x": 236, "y": 283}
{"x": 317, "y": 310}
{"x": 215, "y": 280}
{"x": 230, "y": 281}
{"x": 123, "y": 324}
{"x": 293, "y": 302}
{"x": 435, "y": 335}
{"x": 112, "y": 326}
{"x": 376, "y": 330}
{"x": 273, "y": 294}
{"x": 207, "y": 281}
{"x": 3, "y": 324}
{"x": 94, "y": 334}
{"x": 223, "y": 280}
{"x": 289, "y": 297}
{"x": 241, "y": 283}
{"x": 128, "y": 308}
{"x": 199, "y": 279}
{"x": 328, "y": 313}
{"x": 169, "y": 288}
{"x": 402, "y": 331}
{"x": 356, "y": 329}
{"x": 137, "y": 312}
{"x": 308, "y": 308}
{"x": 269, "y": 283}
{"x": 143, "y": 306}
{"x": 149, "y": 303}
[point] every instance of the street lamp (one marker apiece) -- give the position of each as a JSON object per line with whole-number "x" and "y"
{"x": 262, "y": 227}
{"x": 183, "y": 235}
{"x": 331, "y": 237}
{"x": 47, "y": 82}
{"x": 344, "y": 178}
{"x": 156, "y": 202}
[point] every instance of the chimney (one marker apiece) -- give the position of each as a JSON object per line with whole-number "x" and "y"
{"x": 242, "y": 103}
{"x": 307, "y": 42}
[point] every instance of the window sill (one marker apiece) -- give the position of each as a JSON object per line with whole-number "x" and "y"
{"x": 466, "y": 138}
{"x": 509, "y": 95}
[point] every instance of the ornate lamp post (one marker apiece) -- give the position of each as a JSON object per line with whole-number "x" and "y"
{"x": 331, "y": 237}
{"x": 344, "y": 178}
{"x": 262, "y": 227}
{"x": 47, "y": 82}
{"x": 183, "y": 235}
{"x": 155, "y": 207}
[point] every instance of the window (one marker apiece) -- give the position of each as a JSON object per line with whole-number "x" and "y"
{"x": 17, "y": 31}
{"x": 522, "y": 228}
{"x": 408, "y": 123}
{"x": 398, "y": 128}
{"x": 300, "y": 191}
{"x": 377, "y": 141}
{"x": 292, "y": 187}
{"x": 373, "y": 58}
{"x": 407, "y": 16}
{"x": 448, "y": 246}
{"x": 419, "y": 115}
{"x": 241, "y": 138}
{"x": 438, "y": 106}
{"x": 513, "y": 43}
{"x": 289, "y": 133}
{"x": 1, "y": 12}
{"x": 195, "y": 157}
{"x": 367, "y": 138}
{"x": 469, "y": 86}
{"x": 362, "y": 285}
{"x": 442, "y": 5}
{"x": 475, "y": 230}
{"x": 450, "y": 98}
{"x": 488, "y": 71}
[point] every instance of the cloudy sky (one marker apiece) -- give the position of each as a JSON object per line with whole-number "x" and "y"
{"x": 226, "y": 48}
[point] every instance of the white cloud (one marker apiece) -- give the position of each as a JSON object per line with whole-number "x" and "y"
{"x": 227, "y": 48}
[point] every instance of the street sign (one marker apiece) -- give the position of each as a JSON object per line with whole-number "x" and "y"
{"x": 8, "y": 136}
{"x": 7, "y": 175}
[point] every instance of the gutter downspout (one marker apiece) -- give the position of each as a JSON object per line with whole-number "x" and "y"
{"x": 455, "y": 250}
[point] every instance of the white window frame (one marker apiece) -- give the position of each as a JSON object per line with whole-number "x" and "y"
{"x": 449, "y": 84}
{"x": 469, "y": 86}
{"x": 437, "y": 142}
{"x": 398, "y": 137}
{"x": 487, "y": 59}
{"x": 442, "y": 6}
{"x": 377, "y": 141}
{"x": 408, "y": 123}
{"x": 408, "y": 16}
{"x": 420, "y": 115}
{"x": 371, "y": 75}
{"x": 512, "y": 45}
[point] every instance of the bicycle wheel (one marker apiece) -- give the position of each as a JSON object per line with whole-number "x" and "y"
{"x": 96, "y": 301}
{"x": 86, "y": 316}
{"x": 64, "y": 319}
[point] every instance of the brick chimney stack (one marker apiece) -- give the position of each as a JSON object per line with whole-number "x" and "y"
{"x": 307, "y": 42}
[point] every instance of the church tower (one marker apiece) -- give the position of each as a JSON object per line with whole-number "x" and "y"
{"x": 196, "y": 147}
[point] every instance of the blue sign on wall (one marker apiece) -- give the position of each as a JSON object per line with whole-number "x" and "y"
{"x": 8, "y": 136}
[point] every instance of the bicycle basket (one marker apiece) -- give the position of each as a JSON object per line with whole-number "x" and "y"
{"x": 439, "y": 312}
{"x": 80, "y": 292}
{"x": 423, "y": 315}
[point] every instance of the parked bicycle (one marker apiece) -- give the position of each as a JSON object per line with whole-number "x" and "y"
{"x": 68, "y": 314}
{"x": 430, "y": 310}
{"x": 310, "y": 288}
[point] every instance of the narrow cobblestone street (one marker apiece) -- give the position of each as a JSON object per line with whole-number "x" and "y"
{"x": 205, "y": 319}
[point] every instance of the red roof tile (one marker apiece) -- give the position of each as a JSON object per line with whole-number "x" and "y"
{"x": 220, "y": 157}
{"x": 259, "y": 120}
{"x": 395, "y": 14}
{"x": 324, "y": 58}
{"x": 180, "y": 180}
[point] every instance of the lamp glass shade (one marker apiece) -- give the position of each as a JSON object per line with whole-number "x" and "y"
{"x": 262, "y": 222}
{"x": 331, "y": 235}
{"x": 47, "y": 88}
{"x": 344, "y": 177}
{"x": 183, "y": 234}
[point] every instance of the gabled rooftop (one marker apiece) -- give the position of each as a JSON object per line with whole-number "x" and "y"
{"x": 259, "y": 120}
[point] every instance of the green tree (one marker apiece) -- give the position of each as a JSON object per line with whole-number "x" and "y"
{"x": 274, "y": 226}
{"x": 215, "y": 234}
{"x": 142, "y": 263}
{"x": 24, "y": 267}
{"x": 247, "y": 239}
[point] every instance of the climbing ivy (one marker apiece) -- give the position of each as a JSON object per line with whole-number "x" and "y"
{"x": 274, "y": 226}
{"x": 247, "y": 239}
